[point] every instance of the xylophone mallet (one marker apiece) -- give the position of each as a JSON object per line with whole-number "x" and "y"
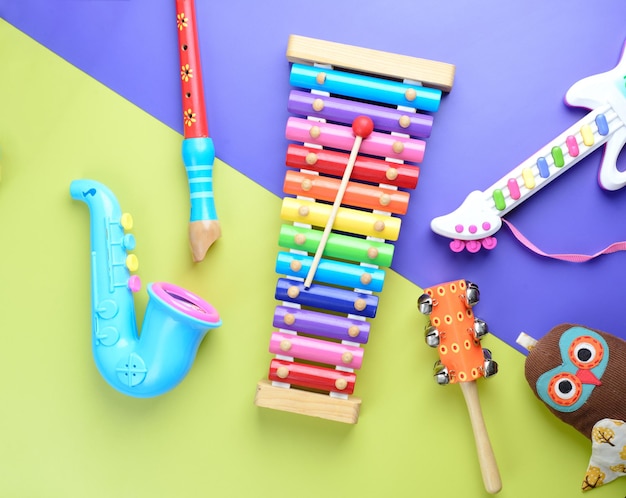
{"x": 362, "y": 126}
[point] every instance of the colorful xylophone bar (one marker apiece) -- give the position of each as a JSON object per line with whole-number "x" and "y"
{"x": 366, "y": 169}
{"x": 345, "y": 111}
{"x": 322, "y": 327}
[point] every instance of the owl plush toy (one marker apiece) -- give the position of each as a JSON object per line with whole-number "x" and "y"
{"x": 580, "y": 375}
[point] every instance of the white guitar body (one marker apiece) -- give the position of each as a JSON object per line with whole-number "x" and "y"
{"x": 473, "y": 224}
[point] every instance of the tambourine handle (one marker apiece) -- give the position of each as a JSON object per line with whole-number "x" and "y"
{"x": 486, "y": 457}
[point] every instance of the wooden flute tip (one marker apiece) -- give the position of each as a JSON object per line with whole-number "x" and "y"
{"x": 202, "y": 235}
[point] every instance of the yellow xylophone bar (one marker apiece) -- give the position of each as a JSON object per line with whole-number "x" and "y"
{"x": 348, "y": 220}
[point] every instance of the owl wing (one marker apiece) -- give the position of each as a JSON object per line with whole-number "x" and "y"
{"x": 608, "y": 453}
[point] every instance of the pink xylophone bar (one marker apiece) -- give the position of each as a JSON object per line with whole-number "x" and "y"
{"x": 322, "y": 326}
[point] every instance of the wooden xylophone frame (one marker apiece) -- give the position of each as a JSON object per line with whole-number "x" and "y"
{"x": 321, "y": 328}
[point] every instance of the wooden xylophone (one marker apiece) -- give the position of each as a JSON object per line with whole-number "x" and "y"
{"x": 337, "y": 230}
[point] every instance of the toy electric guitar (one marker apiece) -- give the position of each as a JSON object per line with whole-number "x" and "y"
{"x": 474, "y": 223}
{"x": 456, "y": 333}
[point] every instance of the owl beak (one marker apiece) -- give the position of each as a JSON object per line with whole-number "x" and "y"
{"x": 587, "y": 377}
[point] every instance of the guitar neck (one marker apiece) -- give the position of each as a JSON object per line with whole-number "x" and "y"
{"x": 474, "y": 223}
{"x": 559, "y": 155}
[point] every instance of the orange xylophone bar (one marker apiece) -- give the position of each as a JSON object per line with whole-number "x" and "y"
{"x": 324, "y": 188}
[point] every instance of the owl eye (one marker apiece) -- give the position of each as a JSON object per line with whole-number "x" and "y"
{"x": 565, "y": 389}
{"x": 586, "y": 352}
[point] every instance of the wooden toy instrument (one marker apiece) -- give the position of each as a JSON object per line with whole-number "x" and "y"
{"x": 473, "y": 224}
{"x": 197, "y": 150}
{"x": 337, "y": 232}
{"x": 456, "y": 333}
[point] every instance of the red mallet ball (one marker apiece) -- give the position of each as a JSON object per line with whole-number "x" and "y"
{"x": 362, "y": 126}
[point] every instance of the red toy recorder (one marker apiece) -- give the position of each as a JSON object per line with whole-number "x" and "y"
{"x": 197, "y": 150}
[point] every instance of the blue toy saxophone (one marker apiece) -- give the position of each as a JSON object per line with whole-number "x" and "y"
{"x": 175, "y": 320}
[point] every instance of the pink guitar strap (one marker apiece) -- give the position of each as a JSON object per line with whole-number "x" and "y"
{"x": 572, "y": 258}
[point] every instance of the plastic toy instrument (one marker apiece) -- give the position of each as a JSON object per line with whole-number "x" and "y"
{"x": 197, "y": 150}
{"x": 175, "y": 320}
{"x": 474, "y": 223}
{"x": 456, "y": 333}
{"x": 352, "y": 139}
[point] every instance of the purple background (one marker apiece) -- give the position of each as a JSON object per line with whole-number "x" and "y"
{"x": 515, "y": 60}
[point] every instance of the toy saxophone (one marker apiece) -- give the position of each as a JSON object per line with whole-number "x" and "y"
{"x": 474, "y": 223}
{"x": 175, "y": 320}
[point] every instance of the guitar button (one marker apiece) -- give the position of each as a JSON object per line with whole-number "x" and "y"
{"x": 601, "y": 123}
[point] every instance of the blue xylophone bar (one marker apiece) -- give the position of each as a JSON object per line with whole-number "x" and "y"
{"x": 365, "y": 87}
{"x": 328, "y": 298}
{"x": 332, "y": 272}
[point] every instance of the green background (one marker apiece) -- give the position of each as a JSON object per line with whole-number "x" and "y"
{"x": 65, "y": 433}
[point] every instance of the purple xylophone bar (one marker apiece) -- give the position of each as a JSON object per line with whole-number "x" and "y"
{"x": 345, "y": 111}
{"x": 316, "y": 323}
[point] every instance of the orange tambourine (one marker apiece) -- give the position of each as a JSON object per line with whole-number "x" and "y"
{"x": 456, "y": 333}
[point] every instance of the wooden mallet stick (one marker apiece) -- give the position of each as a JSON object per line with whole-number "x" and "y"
{"x": 362, "y": 126}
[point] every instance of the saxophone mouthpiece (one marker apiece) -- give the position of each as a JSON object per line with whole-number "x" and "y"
{"x": 175, "y": 321}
